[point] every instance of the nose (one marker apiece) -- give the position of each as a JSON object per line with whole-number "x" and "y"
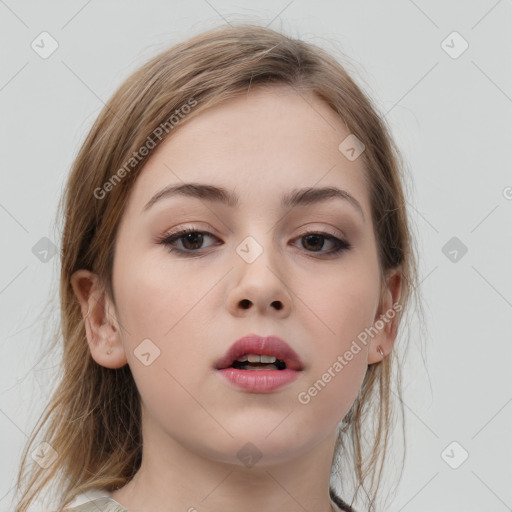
{"x": 261, "y": 286}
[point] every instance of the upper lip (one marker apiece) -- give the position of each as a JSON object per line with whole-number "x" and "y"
{"x": 261, "y": 345}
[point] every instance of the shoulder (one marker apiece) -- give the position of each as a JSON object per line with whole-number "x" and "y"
{"x": 94, "y": 500}
{"x": 342, "y": 505}
{"x": 105, "y": 504}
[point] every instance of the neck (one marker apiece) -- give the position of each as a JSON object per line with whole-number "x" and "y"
{"x": 173, "y": 477}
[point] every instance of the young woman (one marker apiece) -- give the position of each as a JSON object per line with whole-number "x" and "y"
{"x": 236, "y": 262}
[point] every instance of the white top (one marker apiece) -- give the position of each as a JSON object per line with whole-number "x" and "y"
{"x": 88, "y": 496}
{"x": 97, "y": 499}
{"x": 94, "y": 500}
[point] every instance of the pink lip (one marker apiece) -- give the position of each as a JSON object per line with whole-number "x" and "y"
{"x": 260, "y": 381}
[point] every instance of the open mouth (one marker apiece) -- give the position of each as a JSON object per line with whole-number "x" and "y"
{"x": 257, "y": 372}
{"x": 247, "y": 365}
{"x": 253, "y": 352}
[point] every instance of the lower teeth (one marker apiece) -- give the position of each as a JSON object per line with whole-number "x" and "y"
{"x": 259, "y": 367}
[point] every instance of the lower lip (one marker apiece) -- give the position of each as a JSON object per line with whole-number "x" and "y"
{"x": 259, "y": 381}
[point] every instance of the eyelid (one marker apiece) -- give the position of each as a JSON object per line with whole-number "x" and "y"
{"x": 192, "y": 227}
{"x": 330, "y": 230}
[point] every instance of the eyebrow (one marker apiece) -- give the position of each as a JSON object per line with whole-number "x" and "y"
{"x": 296, "y": 197}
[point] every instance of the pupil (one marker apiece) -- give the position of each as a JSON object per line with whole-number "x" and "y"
{"x": 314, "y": 237}
{"x": 192, "y": 237}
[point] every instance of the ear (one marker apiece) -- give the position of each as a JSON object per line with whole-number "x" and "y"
{"x": 101, "y": 325}
{"x": 385, "y": 322}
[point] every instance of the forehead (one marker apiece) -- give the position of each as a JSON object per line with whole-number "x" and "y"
{"x": 262, "y": 143}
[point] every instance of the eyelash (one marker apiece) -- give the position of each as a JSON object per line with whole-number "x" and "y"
{"x": 168, "y": 240}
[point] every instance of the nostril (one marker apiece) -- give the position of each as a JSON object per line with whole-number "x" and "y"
{"x": 245, "y": 303}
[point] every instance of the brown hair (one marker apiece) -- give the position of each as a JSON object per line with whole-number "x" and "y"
{"x": 93, "y": 419}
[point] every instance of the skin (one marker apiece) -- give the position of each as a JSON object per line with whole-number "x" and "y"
{"x": 260, "y": 146}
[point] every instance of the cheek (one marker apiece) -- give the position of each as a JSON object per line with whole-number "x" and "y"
{"x": 344, "y": 304}
{"x": 162, "y": 316}
{"x": 157, "y": 310}
{"x": 153, "y": 297}
{"x": 341, "y": 303}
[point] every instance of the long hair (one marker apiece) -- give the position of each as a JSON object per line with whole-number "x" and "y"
{"x": 93, "y": 418}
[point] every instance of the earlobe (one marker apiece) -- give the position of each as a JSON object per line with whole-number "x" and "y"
{"x": 100, "y": 323}
{"x": 386, "y": 323}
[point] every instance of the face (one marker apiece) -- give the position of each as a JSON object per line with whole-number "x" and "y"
{"x": 183, "y": 300}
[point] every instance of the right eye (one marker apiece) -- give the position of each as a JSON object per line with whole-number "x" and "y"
{"x": 191, "y": 239}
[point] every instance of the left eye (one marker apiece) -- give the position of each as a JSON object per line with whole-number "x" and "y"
{"x": 192, "y": 240}
{"x": 316, "y": 240}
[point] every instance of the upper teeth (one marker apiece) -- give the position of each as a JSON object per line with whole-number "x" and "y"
{"x": 254, "y": 358}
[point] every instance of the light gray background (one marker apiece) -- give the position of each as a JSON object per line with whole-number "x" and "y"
{"x": 451, "y": 118}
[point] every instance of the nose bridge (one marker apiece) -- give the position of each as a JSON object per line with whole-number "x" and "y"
{"x": 259, "y": 242}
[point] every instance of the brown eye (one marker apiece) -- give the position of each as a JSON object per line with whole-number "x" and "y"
{"x": 191, "y": 241}
{"x": 315, "y": 242}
